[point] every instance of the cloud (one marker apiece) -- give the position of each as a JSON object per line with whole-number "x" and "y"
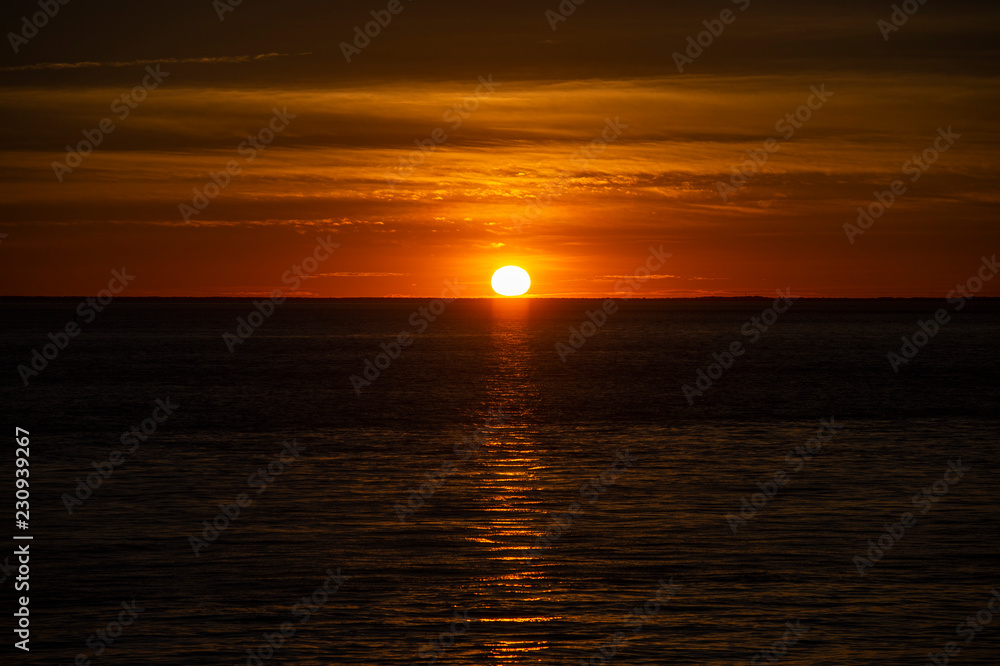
{"x": 365, "y": 275}
{"x": 134, "y": 63}
{"x": 652, "y": 277}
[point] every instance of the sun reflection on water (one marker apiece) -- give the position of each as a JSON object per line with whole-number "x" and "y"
{"x": 515, "y": 589}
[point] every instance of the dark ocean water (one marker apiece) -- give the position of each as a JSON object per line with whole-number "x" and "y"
{"x": 482, "y": 396}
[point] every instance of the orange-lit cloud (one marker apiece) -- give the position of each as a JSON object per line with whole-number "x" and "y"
{"x": 350, "y": 164}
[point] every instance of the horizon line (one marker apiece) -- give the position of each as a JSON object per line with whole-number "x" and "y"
{"x": 498, "y": 298}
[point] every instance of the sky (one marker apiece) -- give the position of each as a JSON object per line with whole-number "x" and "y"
{"x": 566, "y": 143}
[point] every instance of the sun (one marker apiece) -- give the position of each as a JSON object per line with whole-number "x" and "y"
{"x": 511, "y": 281}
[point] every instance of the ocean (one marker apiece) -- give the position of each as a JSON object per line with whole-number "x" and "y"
{"x": 525, "y": 481}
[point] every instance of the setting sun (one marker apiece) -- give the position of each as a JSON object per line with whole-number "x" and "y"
{"x": 511, "y": 281}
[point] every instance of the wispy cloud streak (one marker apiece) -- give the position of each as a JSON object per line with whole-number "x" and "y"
{"x": 137, "y": 63}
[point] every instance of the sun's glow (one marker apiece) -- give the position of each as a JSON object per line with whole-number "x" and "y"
{"x": 511, "y": 281}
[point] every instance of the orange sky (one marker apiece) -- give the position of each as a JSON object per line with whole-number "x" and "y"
{"x": 333, "y": 169}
